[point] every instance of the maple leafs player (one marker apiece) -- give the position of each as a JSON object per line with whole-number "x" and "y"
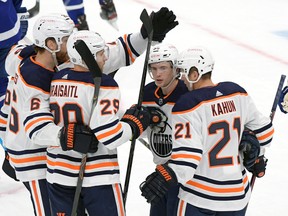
{"x": 14, "y": 26}
{"x": 207, "y": 123}
{"x": 76, "y": 11}
{"x": 71, "y": 103}
{"x": 160, "y": 97}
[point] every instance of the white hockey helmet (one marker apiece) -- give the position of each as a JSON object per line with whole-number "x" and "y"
{"x": 198, "y": 57}
{"x": 54, "y": 26}
{"x": 92, "y": 39}
{"x": 163, "y": 52}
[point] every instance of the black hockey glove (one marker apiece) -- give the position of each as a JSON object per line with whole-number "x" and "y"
{"x": 7, "y": 168}
{"x": 249, "y": 147}
{"x": 79, "y": 138}
{"x": 138, "y": 119}
{"x": 258, "y": 169}
{"x": 163, "y": 21}
{"x": 157, "y": 184}
{"x": 158, "y": 119}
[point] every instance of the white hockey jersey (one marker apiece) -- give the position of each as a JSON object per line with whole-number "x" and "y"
{"x": 71, "y": 101}
{"x": 161, "y": 143}
{"x": 207, "y": 126}
{"x": 30, "y": 118}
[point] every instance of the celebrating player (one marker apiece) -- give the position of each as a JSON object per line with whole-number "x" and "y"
{"x": 71, "y": 103}
{"x": 160, "y": 97}
{"x": 207, "y": 124}
{"x": 29, "y": 100}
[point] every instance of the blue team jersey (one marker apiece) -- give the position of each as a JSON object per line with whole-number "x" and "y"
{"x": 10, "y": 31}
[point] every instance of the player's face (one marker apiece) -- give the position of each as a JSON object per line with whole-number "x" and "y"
{"x": 101, "y": 58}
{"x": 162, "y": 73}
{"x": 62, "y": 55}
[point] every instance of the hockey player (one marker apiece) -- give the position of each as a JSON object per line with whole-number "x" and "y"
{"x": 75, "y": 9}
{"x": 283, "y": 101}
{"x": 29, "y": 160}
{"x": 207, "y": 124}
{"x": 14, "y": 26}
{"x": 71, "y": 102}
{"x": 160, "y": 97}
{"x": 50, "y": 34}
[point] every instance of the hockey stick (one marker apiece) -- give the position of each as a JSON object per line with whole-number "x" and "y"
{"x": 147, "y": 22}
{"x": 90, "y": 61}
{"x": 272, "y": 113}
{"x": 146, "y": 144}
{"x": 35, "y": 9}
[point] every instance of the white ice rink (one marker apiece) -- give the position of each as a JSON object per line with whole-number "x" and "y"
{"x": 249, "y": 41}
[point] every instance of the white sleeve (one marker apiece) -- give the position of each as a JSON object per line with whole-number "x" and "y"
{"x": 13, "y": 59}
{"x": 124, "y": 51}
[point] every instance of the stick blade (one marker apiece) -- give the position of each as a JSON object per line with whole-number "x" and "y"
{"x": 147, "y": 22}
{"x": 34, "y": 10}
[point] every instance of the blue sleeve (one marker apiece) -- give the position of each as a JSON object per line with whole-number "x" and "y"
{"x": 17, "y": 4}
{"x": 74, "y": 8}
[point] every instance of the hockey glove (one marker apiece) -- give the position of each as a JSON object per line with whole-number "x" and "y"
{"x": 138, "y": 119}
{"x": 78, "y": 138}
{"x": 157, "y": 184}
{"x": 158, "y": 119}
{"x": 23, "y": 16}
{"x": 7, "y": 168}
{"x": 82, "y": 23}
{"x": 283, "y": 101}
{"x": 258, "y": 169}
{"x": 163, "y": 21}
{"x": 108, "y": 10}
{"x": 249, "y": 147}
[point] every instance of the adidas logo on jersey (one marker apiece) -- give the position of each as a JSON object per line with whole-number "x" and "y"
{"x": 218, "y": 94}
{"x": 65, "y": 76}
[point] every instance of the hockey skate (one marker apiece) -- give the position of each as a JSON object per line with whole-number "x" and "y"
{"x": 108, "y": 13}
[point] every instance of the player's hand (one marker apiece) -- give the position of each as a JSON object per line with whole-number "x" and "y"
{"x": 138, "y": 119}
{"x": 158, "y": 119}
{"x": 157, "y": 184}
{"x": 23, "y": 16}
{"x": 283, "y": 101}
{"x": 258, "y": 169}
{"x": 79, "y": 138}
{"x": 249, "y": 147}
{"x": 163, "y": 21}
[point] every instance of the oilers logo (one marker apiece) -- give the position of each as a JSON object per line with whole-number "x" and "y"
{"x": 161, "y": 143}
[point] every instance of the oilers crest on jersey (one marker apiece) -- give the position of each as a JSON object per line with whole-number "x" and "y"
{"x": 161, "y": 140}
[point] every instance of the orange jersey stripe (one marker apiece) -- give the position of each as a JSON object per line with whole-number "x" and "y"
{"x": 77, "y": 167}
{"x": 3, "y": 121}
{"x": 38, "y": 206}
{"x": 38, "y": 120}
{"x": 119, "y": 198}
{"x": 176, "y": 156}
{"x": 27, "y": 160}
{"x": 266, "y": 135}
{"x": 209, "y": 101}
{"x": 128, "y": 49}
{"x": 215, "y": 190}
{"x": 109, "y": 133}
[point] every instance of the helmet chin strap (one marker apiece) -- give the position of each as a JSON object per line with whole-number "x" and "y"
{"x": 54, "y": 58}
{"x": 171, "y": 81}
